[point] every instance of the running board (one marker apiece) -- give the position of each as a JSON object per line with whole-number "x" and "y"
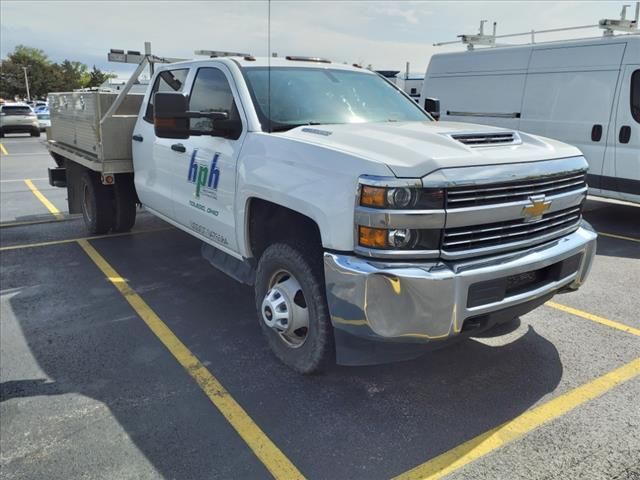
{"x": 240, "y": 270}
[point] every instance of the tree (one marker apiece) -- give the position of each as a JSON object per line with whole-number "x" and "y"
{"x": 38, "y": 69}
{"x": 97, "y": 77}
{"x": 44, "y": 75}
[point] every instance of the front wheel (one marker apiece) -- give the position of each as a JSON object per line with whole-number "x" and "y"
{"x": 35, "y": 132}
{"x": 292, "y": 308}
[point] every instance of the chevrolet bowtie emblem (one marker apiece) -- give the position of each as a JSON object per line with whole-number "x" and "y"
{"x": 536, "y": 208}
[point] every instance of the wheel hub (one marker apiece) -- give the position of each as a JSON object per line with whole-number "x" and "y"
{"x": 284, "y": 309}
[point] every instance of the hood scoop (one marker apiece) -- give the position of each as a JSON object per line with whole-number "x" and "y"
{"x": 485, "y": 139}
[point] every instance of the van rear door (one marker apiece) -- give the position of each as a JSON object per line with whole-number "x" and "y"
{"x": 627, "y": 137}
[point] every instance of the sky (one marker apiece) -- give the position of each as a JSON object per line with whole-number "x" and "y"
{"x": 380, "y": 33}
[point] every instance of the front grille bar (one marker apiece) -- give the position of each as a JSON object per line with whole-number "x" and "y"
{"x": 503, "y": 234}
{"x": 496, "y": 194}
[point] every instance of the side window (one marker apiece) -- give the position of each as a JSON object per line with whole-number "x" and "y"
{"x": 211, "y": 93}
{"x": 167, "y": 81}
{"x": 635, "y": 95}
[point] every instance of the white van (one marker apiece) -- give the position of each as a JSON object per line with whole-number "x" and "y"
{"x": 583, "y": 92}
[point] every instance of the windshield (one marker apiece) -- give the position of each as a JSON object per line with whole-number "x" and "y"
{"x": 312, "y": 96}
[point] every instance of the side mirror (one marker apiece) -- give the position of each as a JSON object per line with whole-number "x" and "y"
{"x": 170, "y": 119}
{"x": 432, "y": 105}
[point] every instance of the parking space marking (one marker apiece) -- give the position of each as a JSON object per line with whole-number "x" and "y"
{"x": 500, "y": 436}
{"x": 22, "y": 180}
{"x": 3, "y": 150}
{"x": 594, "y": 318}
{"x": 266, "y": 451}
{"x": 44, "y": 200}
{"x": 619, "y": 237}
{"x": 32, "y": 222}
{"x": 72, "y": 240}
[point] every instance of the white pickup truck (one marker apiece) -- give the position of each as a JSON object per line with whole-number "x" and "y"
{"x": 370, "y": 231}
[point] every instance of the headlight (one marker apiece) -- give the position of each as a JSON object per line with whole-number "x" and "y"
{"x": 398, "y": 238}
{"x": 402, "y": 198}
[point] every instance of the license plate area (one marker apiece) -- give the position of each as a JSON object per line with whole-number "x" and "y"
{"x": 496, "y": 290}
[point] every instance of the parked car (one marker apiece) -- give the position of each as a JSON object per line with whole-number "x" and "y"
{"x": 18, "y": 118}
{"x": 44, "y": 119}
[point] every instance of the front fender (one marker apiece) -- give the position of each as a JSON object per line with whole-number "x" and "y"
{"x": 314, "y": 181}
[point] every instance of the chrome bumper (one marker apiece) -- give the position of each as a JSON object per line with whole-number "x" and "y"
{"x": 425, "y": 301}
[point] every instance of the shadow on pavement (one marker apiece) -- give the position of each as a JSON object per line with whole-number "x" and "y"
{"x": 366, "y": 422}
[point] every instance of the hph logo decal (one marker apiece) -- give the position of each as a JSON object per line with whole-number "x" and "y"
{"x": 205, "y": 177}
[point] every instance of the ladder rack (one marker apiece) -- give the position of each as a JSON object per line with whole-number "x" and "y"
{"x": 610, "y": 26}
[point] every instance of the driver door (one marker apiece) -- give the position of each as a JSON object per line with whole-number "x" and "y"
{"x": 204, "y": 192}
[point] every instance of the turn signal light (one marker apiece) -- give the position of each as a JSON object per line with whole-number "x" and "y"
{"x": 373, "y": 196}
{"x": 372, "y": 237}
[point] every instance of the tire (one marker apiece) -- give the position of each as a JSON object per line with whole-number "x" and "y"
{"x": 1, "y": 134}
{"x": 35, "y": 133}
{"x": 317, "y": 350}
{"x": 96, "y": 203}
{"x": 124, "y": 204}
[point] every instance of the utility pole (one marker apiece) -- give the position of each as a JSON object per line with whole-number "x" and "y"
{"x": 26, "y": 82}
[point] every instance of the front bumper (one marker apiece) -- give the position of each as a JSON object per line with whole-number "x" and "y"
{"x": 20, "y": 128}
{"x": 421, "y": 302}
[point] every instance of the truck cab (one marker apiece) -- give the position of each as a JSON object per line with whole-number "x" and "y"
{"x": 369, "y": 231}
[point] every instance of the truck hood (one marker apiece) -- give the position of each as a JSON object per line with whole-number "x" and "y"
{"x": 415, "y": 149}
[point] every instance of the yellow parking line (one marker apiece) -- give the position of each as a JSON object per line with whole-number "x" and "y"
{"x": 3, "y": 150}
{"x": 490, "y": 441}
{"x": 45, "y": 201}
{"x": 619, "y": 237}
{"x": 71, "y": 240}
{"x": 268, "y": 453}
{"x": 594, "y": 318}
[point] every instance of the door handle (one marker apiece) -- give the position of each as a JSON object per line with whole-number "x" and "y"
{"x": 625, "y": 134}
{"x": 596, "y": 133}
{"x": 137, "y": 138}
{"x": 178, "y": 147}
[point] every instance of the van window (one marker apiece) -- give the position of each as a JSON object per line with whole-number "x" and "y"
{"x": 211, "y": 93}
{"x": 167, "y": 81}
{"x": 635, "y": 95}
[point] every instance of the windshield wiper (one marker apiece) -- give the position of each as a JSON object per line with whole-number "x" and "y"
{"x": 288, "y": 126}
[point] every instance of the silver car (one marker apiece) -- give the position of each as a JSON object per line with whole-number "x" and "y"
{"x": 18, "y": 118}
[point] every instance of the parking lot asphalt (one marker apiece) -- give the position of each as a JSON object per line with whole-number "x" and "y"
{"x": 141, "y": 361}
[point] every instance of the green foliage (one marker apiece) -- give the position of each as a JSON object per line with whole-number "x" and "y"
{"x": 44, "y": 75}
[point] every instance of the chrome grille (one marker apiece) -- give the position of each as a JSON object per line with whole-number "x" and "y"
{"x": 510, "y": 234}
{"x": 459, "y": 197}
{"x": 485, "y": 138}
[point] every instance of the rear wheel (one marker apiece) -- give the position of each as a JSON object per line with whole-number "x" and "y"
{"x": 293, "y": 312}
{"x": 35, "y": 132}
{"x": 1, "y": 133}
{"x": 124, "y": 204}
{"x": 97, "y": 205}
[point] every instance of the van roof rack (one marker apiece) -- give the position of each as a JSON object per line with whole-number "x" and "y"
{"x": 217, "y": 53}
{"x": 298, "y": 58}
{"x": 610, "y": 26}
